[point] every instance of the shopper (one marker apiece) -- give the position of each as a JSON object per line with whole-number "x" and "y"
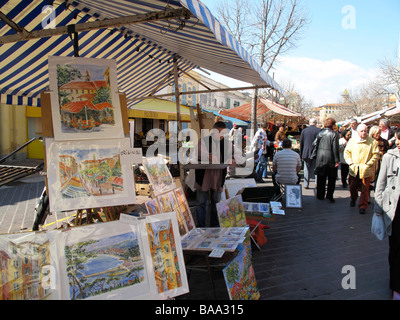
{"x": 361, "y": 155}
{"x": 326, "y": 153}
{"x": 344, "y": 167}
{"x": 259, "y": 146}
{"x": 387, "y": 133}
{"x": 307, "y": 138}
{"x": 387, "y": 192}
{"x": 383, "y": 146}
{"x": 209, "y": 182}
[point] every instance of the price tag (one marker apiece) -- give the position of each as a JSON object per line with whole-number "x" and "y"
{"x": 133, "y": 155}
{"x": 217, "y": 253}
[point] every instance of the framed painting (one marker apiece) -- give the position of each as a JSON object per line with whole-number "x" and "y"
{"x": 293, "y": 196}
{"x": 231, "y": 212}
{"x": 105, "y": 261}
{"x": 88, "y": 174}
{"x": 159, "y": 176}
{"x": 166, "y": 254}
{"x": 84, "y": 98}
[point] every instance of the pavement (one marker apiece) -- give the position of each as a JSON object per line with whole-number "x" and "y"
{"x": 307, "y": 257}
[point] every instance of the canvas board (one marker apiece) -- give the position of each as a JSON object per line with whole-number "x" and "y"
{"x": 84, "y": 98}
{"x": 105, "y": 261}
{"x": 88, "y": 174}
{"x": 28, "y": 266}
{"x": 231, "y": 212}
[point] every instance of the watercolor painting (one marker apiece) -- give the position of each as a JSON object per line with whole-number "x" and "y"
{"x": 158, "y": 174}
{"x": 240, "y": 278}
{"x": 104, "y": 261}
{"x": 84, "y": 98}
{"x": 166, "y": 255}
{"x": 152, "y": 206}
{"x": 25, "y": 266}
{"x": 231, "y": 212}
{"x": 169, "y": 203}
{"x": 88, "y": 174}
{"x": 184, "y": 209}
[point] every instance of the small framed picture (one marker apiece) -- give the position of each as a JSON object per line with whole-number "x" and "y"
{"x": 293, "y": 196}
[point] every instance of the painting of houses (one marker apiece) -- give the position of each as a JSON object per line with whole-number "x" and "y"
{"x": 88, "y": 174}
{"x": 24, "y": 266}
{"x": 166, "y": 255}
{"x": 231, "y": 212}
{"x": 84, "y": 98}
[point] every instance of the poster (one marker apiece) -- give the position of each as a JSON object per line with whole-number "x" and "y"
{"x": 231, "y": 212}
{"x": 27, "y": 266}
{"x": 84, "y": 98}
{"x": 166, "y": 255}
{"x": 88, "y": 174}
{"x": 105, "y": 261}
{"x": 159, "y": 176}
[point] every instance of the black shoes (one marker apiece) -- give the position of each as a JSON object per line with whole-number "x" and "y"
{"x": 331, "y": 200}
{"x": 362, "y": 211}
{"x": 352, "y": 203}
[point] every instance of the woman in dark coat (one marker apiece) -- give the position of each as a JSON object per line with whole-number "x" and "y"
{"x": 327, "y": 158}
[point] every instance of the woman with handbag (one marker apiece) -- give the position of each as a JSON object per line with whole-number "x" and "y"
{"x": 387, "y": 193}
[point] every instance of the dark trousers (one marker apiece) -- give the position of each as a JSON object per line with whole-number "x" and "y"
{"x": 344, "y": 173}
{"x": 394, "y": 252}
{"x": 321, "y": 185}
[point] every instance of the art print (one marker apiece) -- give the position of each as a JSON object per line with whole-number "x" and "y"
{"x": 240, "y": 278}
{"x": 293, "y": 196}
{"x": 166, "y": 255}
{"x": 184, "y": 209}
{"x": 88, "y": 174}
{"x": 105, "y": 261}
{"x": 231, "y": 213}
{"x": 158, "y": 174}
{"x": 168, "y": 203}
{"x": 27, "y": 268}
{"x": 152, "y": 207}
{"x": 84, "y": 98}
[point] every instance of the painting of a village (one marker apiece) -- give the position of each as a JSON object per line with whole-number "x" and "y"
{"x": 84, "y": 98}
{"x": 231, "y": 212}
{"x": 24, "y": 266}
{"x": 159, "y": 175}
{"x": 164, "y": 255}
{"x": 96, "y": 267}
{"x": 240, "y": 278}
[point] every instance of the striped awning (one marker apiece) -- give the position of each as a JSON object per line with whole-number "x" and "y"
{"x": 144, "y": 52}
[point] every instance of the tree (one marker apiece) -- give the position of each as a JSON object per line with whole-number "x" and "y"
{"x": 266, "y": 28}
{"x": 389, "y": 77}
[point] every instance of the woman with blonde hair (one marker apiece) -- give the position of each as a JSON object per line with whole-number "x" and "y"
{"x": 383, "y": 146}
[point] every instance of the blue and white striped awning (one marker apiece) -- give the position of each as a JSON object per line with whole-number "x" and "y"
{"x": 144, "y": 52}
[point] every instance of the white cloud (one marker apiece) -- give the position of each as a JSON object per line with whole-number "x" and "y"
{"x": 321, "y": 81}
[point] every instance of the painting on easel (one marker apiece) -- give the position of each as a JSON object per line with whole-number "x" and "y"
{"x": 88, "y": 174}
{"x": 84, "y": 98}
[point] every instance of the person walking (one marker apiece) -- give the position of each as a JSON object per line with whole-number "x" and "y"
{"x": 326, "y": 152}
{"x": 387, "y": 133}
{"x": 387, "y": 193}
{"x": 307, "y": 138}
{"x": 361, "y": 155}
{"x": 344, "y": 167}
{"x": 383, "y": 146}
{"x": 259, "y": 145}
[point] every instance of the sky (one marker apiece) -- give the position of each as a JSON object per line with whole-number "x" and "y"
{"x": 340, "y": 48}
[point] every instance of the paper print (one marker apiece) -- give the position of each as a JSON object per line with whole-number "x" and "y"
{"x": 84, "y": 98}
{"x": 88, "y": 174}
{"x": 184, "y": 209}
{"x": 159, "y": 176}
{"x": 152, "y": 206}
{"x": 166, "y": 253}
{"x": 168, "y": 203}
{"x": 27, "y": 267}
{"x": 104, "y": 261}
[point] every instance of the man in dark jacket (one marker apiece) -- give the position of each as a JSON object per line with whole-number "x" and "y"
{"x": 307, "y": 138}
{"x": 327, "y": 159}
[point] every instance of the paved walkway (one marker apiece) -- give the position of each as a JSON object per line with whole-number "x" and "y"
{"x": 303, "y": 258}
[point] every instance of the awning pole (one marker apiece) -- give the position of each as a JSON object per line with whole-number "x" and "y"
{"x": 254, "y": 113}
{"x": 178, "y": 118}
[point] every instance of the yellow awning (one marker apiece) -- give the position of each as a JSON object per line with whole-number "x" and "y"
{"x": 158, "y": 109}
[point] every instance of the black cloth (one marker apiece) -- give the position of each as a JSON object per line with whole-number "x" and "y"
{"x": 394, "y": 252}
{"x": 307, "y": 138}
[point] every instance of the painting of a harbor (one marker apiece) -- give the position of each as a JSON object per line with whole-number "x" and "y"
{"x": 85, "y": 174}
{"x": 101, "y": 266}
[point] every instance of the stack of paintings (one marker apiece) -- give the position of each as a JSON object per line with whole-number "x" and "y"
{"x": 83, "y": 162}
